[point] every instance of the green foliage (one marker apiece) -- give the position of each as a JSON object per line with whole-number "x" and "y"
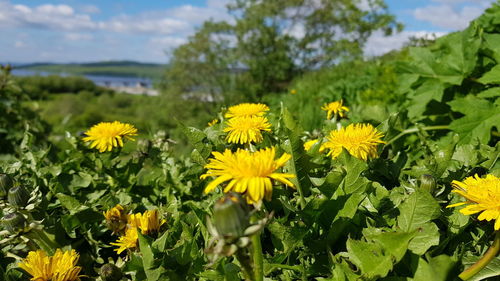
{"x": 272, "y": 42}
{"x": 347, "y": 219}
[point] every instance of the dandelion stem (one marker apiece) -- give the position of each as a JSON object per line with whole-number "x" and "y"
{"x": 417, "y": 129}
{"x": 484, "y": 261}
{"x": 258, "y": 260}
{"x": 244, "y": 260}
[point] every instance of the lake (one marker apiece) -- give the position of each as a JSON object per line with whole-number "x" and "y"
{"x": 100, "y": 80}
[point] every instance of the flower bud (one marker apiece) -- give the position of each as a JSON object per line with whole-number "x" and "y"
{"x": 231, "y": 216}
{"x": 427, "y": 182}
{"x": 14, "y": 222}
{"x": 18, "y": 196}
{"x": 6, "y": 183}
{"x": 110, "y": 272}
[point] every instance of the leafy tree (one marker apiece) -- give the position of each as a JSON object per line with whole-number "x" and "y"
{"x": 273, "y": 41}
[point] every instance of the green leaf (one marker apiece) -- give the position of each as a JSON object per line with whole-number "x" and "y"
{"x": 70, "y": 203}
{"x": 437, "y": 269}
{"x": 370, "y": 258}
{"x": 415, "y": 214}
{"x": 287, "y": 237}
{"x": 480, "y": 117}
{"x": 491, "y": 77}
{"x": 491, "y": 270}
{"x": 299, "y": 163}
{"x": 490, "y": 93}
{"x": 153, "y": 271}
{"x": 394, "y": 243}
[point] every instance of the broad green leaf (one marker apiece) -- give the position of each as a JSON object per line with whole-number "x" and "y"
{"x": 394, "y": 243}
{"x": 490, "y": 93}
{"x": 153, "y": 272}
{"x": 427, "y": 235}
{"x": 370, "y": 258}
{"x": 491, "y": 77}
{"x": 418, "y": 209}
{"x": 431, "y": 89}
{"x": 68, "y": 202}
{"x": 437, "y": 269}
{"x": 480, "y": 117}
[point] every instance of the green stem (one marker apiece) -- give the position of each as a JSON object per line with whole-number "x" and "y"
{"x": 258, "y": 259}
{"x": 246, "y": 264}
{"x": 484, "y": 261}
{"x": 414, "y": 130}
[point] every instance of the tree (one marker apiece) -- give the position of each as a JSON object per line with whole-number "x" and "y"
{"x": 273, "y": 41}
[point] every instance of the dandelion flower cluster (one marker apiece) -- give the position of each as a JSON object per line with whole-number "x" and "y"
{"x": 483, "y": 196}
{"x": 360, "y": 140}
{"x": 249, "y": 173}
{"x": 148, "y": 222}
{"x": 334, "y": 108}
{"x": 246, "y": 110}
{"x": 60, "y": 267}
{"x": 106, "y": 135}
{"x": 246, "y": 129}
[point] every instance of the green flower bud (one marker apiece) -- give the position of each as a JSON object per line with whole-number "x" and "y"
{"x": 427, "y": 182}
{"x": 110, "y": 272}
{"x": 6, "y": 183}
{"x": 231, "y": 216}
{"x": 18, "y": 196}
{"x": 14, "y": 222}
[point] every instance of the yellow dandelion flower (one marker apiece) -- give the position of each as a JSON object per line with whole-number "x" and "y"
{"x": 360, "y": 140}
{"x": 64, "y": 266}
{"x": 213, "y": 122}
{"x": 106, "y": 135}
{"x": 246, "y": 110}
{"x": 246, "y": 129}
{"x": 127, "y": 241}
{"x": 116, "y": 218}
{"x": 248, "y": 173}
{"x": 482, "y": 194}
{"x": 148, "y": 222}
{"x": 60, "y": 267}
{"x": 309, "y": 144}
{"x": 293, "y": 92}
{"x": 334, "y": 108}
{"x": 38, "y": 265}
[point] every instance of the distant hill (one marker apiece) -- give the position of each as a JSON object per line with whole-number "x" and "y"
{"x": 107, "y": 68}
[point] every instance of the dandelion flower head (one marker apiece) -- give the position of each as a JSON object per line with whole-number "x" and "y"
{"x": 246, "y": 129}
{"x": 249, "y": 173}
{"x": 127, "y": 241}
{"x": 106, "y": 135}
{"x": 116, "y": 218}
{"x": 360, "y": 140}
{"x": 148, "y": 222}
{"x": 309, "y": 144}
{"x": 293, "y": 92}
{"x": 483, "y": 196}
{"x": 60, "y": 267}
{"x": 246, "y": 110}
{"x": 334, "y": 108}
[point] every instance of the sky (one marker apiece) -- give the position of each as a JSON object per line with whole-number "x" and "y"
{"x": 148, "y": 30}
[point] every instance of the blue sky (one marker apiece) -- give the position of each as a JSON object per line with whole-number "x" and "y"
{"x": 94, "y": 30}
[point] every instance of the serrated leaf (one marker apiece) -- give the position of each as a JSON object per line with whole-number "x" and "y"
{"x": 427, "y": 235}
{"x": 491, "y": 77}
{"x": 370, "y": 258}
{"x": 480, "y": 117}
{"x": 289, "y": 237}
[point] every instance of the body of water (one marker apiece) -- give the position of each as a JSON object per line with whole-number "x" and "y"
{"x": 100, "y": 80}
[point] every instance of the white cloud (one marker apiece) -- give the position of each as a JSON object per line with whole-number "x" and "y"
{"x": 378, "y": 44}
{"x": 445, "y": 16}
{"x": 90, "y": 9}
{"x": 72, "y": 36}
{"x": 19, "y": 44}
